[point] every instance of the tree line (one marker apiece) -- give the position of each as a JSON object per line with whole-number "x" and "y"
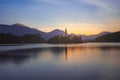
{"x": 29, "y": 38}
{"x": 6, "y": 38}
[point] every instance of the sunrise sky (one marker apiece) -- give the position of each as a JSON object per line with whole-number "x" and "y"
{"x": 78, "y": 16}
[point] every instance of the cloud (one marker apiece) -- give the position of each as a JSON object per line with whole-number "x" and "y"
{"x": 50, "y": 1}
{"x": 95, "y": 2}
{"x": 105, "y": 4}
{"x": 107, "y": 9}
{"x": 46, "y": 1}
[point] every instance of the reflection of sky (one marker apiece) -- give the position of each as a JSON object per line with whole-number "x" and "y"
{"x": 50, "y": 14}
{"x": 61, "y": 63}
{"x": 70, "y": 53}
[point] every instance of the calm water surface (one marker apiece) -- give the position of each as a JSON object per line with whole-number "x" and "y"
{"x": 87, "y": 61}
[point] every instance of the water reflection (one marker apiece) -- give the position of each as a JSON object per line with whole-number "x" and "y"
{"x": 19, "y": 56}
{"x": 61, "y": 63}
{"x": 62, "y": 53}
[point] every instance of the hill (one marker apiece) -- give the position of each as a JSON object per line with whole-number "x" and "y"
{"x": 112, "y": 37}
{"x": 22, "y": 30}
{"x": 94, "y": 36}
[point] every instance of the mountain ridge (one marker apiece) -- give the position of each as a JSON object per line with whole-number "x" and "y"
{"x": 18, "y": 29}
{"x": 113, "y": 37}
{"x": 21, "y": 30}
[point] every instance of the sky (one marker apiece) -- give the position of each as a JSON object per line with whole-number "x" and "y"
{"x": 78, "y": 16}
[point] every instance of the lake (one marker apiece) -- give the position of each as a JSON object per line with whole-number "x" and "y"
{"x": 86, "y": 61}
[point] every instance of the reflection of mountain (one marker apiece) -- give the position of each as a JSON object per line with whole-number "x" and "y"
{"x": 61, "y": 63}
{"x": 21, "y": 56}
{"x": 65, "y": 53}
{"x": 13, "y": 58}
{"x": 18, "y": 56}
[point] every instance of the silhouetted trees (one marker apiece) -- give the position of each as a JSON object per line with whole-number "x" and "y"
{"x": 9, "y": 38}
{"x": 35, "y": 38}
{"x": 112, "y": 37}
{"x": 65, "y": 39}
{"x": 6, "y": 38}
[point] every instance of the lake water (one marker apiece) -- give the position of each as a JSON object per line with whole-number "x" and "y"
{"x": 87, "y": 61}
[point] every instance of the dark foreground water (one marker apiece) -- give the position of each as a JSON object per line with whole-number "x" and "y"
{"x": 88, "y": 61}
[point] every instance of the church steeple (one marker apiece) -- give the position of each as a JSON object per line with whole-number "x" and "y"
{"x": 65, "y": 31}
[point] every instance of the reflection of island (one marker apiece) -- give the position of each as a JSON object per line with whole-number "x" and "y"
{"x": 66, "y": 53}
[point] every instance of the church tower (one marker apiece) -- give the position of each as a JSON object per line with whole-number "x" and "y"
{"x": 65, "y": 31}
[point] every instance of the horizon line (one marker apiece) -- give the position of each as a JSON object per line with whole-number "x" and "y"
{"x": 59, "y": 29}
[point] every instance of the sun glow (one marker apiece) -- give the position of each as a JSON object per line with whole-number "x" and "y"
{"x": 76, "y": 28}
{"x": 85, "y": 28}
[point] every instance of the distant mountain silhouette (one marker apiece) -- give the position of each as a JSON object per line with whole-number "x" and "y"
{"x": 21, "y": 30}
{"x": 92, "y": 37}
{"x": 53, "y": 33}
{"x": 112, "y": 37}
{"x": 18, "y": 29}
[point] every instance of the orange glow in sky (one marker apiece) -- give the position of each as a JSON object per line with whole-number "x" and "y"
{"x": 85, "y": 28}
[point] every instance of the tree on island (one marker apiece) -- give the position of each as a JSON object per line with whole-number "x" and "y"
{"x": 65, "y": 39}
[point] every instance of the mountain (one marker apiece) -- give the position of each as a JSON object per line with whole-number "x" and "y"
{"x": 53, "y": 33}
{"x": 21, "y": 30}
{"x": 18, "y": 29}
{"x": 92, "y": 37}
{"x": 112, "y": 37}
